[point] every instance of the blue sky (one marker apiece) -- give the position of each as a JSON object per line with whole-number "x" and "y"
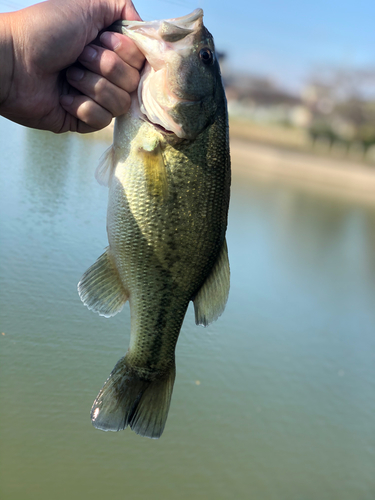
{"x": 285, "y": 40}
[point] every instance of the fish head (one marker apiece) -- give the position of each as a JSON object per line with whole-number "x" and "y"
{"x": 180, "y": 86}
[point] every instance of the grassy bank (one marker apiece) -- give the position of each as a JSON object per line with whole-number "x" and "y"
{"x": 295, "y": 139}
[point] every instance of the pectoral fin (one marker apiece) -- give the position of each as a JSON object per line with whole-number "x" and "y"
{"x": 101, "y": 289}
{"x": 106, "y": 167}
{"x": 155, "y": 172}
{"x": 210, "y": 301}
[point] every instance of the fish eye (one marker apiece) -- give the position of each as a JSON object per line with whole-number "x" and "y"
{"x": 206, "y": 56}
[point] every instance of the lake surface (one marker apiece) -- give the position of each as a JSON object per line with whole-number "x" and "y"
{"x": 274, "y": 401}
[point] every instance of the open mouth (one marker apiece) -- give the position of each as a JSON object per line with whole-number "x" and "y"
{"x": 158, "y": 101}
{"x": 158, "y": 127}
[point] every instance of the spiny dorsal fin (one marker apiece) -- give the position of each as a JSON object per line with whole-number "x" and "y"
{"x": 101, "y": 289}
{"x": 210, "y": 301}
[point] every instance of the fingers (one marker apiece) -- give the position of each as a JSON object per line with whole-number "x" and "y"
{"x": 104, "y": 93}
{"x": 122, "y": 71}
{"x": 124, "y": 48}
{"x": 105, "y": 81}
{"x": 91, "y": 116}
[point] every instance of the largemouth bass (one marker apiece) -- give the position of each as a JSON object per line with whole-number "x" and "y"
{"x": 168, "y": 173}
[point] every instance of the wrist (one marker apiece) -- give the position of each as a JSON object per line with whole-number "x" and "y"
{"x": 6, "y": 58}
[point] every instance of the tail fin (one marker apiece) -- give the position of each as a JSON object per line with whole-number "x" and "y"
{"x": 129, "y": 399}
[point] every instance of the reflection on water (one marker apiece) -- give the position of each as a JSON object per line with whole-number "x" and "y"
{"x": 274, "y": 401}
{"x": 47, "y": 160}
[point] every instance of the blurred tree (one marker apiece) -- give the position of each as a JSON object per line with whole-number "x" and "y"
{"x": 342, "y": 103}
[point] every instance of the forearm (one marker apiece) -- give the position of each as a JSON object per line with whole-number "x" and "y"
{"x": 6, "y": 58}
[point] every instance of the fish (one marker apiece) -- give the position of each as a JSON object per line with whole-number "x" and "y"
{"x": 168, "y": 174}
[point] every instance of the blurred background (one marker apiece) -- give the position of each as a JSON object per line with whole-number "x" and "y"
{"x": 275, "y": 400}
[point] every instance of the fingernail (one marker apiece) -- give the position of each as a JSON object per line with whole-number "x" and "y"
{"x": 88, "y": 54}
{"x": 66, "y": 100}
{"x": 75, "y": 74}
{"x": 110, "y": 40}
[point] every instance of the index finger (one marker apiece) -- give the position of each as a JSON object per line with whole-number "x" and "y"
{"x": 124, "y": 48}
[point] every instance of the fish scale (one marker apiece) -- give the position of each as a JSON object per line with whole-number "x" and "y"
{"x": 169, "y": 184}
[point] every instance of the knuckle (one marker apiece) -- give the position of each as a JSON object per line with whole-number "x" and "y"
{"x": 105, "y": 121}
{"x": 120, "y": 73}
{"x": 96, "y": 117}
{"x": 85, "y": 109}
{"x": 122, "y": 105}
{"x": 110, "y": 64}
{"x": 133, "y": 81}
{"x": 101, "y": 86}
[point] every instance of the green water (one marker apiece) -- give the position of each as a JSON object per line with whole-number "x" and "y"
{"x": 274, "y": 401}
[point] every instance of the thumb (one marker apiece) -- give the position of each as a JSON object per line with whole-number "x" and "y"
{"x": 130, "y": 12}
{"x": 103, "y": 14}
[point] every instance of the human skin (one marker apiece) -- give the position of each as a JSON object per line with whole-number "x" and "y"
{"x": 53, "y": 77}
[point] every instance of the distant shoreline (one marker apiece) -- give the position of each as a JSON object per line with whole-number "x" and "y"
{"x": 344, "y": 179}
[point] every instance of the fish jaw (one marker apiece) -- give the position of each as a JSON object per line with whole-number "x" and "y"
{"x": 174, "y": 81}
{"x": 150, "y": 36}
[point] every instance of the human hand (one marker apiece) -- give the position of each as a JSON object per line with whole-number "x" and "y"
{"x": 42, "y": 85}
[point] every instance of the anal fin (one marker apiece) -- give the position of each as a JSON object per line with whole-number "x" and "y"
{"x": 210, "y": 301}
{"x": 101, "y": 289}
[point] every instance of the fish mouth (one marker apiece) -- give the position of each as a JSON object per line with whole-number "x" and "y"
{"x": 158, "y": 127}
{"x": 157, "y": 102}
{"x": 185, "y": 22}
